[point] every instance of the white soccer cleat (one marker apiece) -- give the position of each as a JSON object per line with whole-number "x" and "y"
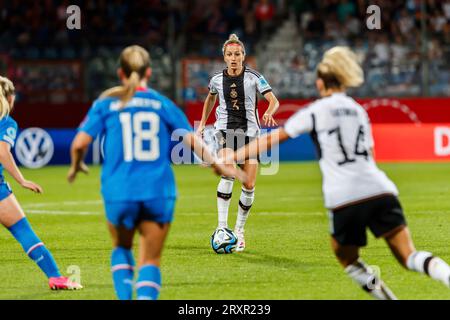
{"x": 241, "y": 240}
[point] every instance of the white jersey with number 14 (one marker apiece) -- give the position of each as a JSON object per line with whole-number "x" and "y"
{"x": 341, "y": 131}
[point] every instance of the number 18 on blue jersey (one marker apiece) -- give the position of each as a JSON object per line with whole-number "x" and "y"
{"x": 137, "y": 165}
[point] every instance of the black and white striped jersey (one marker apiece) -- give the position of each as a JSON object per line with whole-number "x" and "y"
{"x": 237, "y": 108}
{"x": 341, "y": 131}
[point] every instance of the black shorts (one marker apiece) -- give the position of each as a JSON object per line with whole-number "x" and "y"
{"x": 380, "y": 215}
{"x": 231, "y": 139}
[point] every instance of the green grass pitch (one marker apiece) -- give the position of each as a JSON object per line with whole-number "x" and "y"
{"x": 288, "y": 254}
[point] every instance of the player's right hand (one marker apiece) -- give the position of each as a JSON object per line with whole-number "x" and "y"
{"x": 30, "y": 185}
{"x": 269, "y": 120}
{"x": 73, "y": 171}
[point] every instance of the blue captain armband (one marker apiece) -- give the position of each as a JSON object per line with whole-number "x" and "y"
{"x": 10, "y": 136}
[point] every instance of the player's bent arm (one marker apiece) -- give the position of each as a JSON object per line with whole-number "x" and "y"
{"x": 260, "y": 145}
{"x": 208, "y": 105}
{"x": 200, "y": 149}
{"x": 274, "y": 104}
{"x": 7, "y": 161}
{"x": 78, "y": 150}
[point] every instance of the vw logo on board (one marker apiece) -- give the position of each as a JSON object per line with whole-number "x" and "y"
{"x": 34, "y": 148}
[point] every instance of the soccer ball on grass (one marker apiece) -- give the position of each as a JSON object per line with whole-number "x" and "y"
{"x": 223, "y": 240}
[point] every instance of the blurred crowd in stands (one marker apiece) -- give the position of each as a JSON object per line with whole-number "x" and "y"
{"x": 41, "y": 25}
{"x": 172, "y": 30}
{"x": 392, "y": 56}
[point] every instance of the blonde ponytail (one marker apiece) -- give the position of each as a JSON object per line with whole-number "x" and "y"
{"x": 124, "y": 93}
{"x": 6, "y": 90}
{"x": 339, "y": 67}
{"x": 131, "y": 86}
{"x": 134, "y": 62}
{"x": 233, "y": 39}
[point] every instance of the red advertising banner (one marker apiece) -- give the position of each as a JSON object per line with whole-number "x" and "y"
{"x": 409, "y": 142}
{"x": 415, "y": 110}
{"x": 403, "y": 129}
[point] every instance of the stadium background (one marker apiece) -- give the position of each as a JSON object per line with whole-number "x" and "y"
{"x": 58, "y": 72}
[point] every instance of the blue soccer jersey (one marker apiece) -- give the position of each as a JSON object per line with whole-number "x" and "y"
{"x": 8, "y": 133}
{"x": 137, "y": 165}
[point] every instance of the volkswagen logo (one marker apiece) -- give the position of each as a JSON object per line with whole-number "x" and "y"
{"x": 34, "y": 148}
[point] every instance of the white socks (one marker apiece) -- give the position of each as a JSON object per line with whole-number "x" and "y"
{"x": 364, "y": 276}
{"x": 420, "y": 261}
{"x": 245, "y": 204}
{"x": 424, "y": 262}
{"x": 224, "y": 191}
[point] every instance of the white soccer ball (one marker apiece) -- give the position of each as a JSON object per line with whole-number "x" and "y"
{"x": 223, "y": 240}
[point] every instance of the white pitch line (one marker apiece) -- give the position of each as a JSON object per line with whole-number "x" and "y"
{"x": 263, "y": 213}
{"x": 60, "y": 212}
{"x": 275, "y": 214}
{"x": 300, "y": 198}
{"x": 291, "y": 213}
{"x": 64, "y": 203}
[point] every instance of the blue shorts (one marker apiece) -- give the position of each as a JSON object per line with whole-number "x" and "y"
{"x": 129, "y": 213}
{"x": 5, "y": 190}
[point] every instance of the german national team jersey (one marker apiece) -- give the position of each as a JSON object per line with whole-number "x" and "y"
{"x": 238, "y": 100}
{"x": 8, "y": 132}
{"x": 137, "y": 164}
{"x": 341, "y": 131}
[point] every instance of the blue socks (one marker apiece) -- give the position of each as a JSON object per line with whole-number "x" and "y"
{"x": 149, "y": 282}
{"x": 122, "y": 265}
{"x": 122, "y": 268}
{"x": 34, "y": 248}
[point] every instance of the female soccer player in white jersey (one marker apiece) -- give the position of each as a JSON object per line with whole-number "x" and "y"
{"x": 236, "y": 124}
{"x": 138, "y": 185}
{"x": 357, "y": 194}
{"x": 11, "y": 214}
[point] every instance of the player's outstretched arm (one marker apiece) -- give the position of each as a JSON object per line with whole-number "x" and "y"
{"x": 210, "y": 101}
{"x": 7, "y": 161}
{"x": 258, "y": 146}
{"x": 200, "y": 149}
{"x": 78, "y": 150}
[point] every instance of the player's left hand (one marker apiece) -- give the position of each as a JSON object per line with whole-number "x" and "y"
{"x": 269, "y": 120}
{"x": 30, "y": 185}
{"x": 73, "y": 171}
